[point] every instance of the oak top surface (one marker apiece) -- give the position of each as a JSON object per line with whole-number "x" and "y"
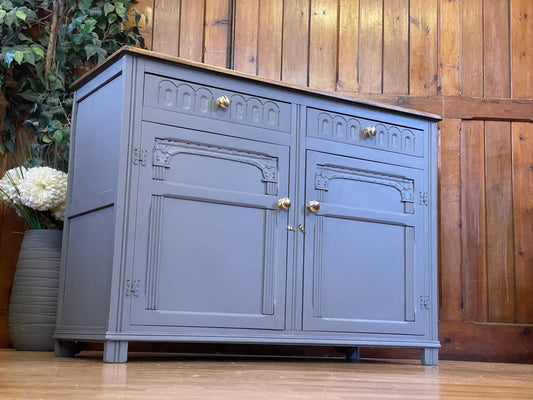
{"x": 133, "y": 51}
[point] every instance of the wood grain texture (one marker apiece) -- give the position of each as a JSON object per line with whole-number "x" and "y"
{"x": 449, "y": 189}
{"x": 295, "y": 40}
{"x": 423, "y": 68}
{"x": 500, "y": 258}
{"x": 11, "y": 228}
{"x": 216, "y": 35}
{"x": 521, "y": 26}
{"x": 370, "y": 46}
{"x": 395, "y": 46}
{"x": 486, "y": 342}
{"x": 472, "y": 48}
{"x": 449, "y": 48}
{"x": 473, "y": 243}
{"x": 245, "y": 41}
{"x": 348, "y": 68}
{"x": 191, "y": 37}
{"x": 156, "y": 376}
{"x": 523, "y": 219}
{"x": 167, "y": 22}
{"x": 146, "y": 9}
{"x": 269, "y": 49}
{"x": 323, "y": 45}
{"x": 496, "y": 61}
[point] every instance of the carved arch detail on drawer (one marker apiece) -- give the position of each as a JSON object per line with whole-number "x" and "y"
{"x": 347, "y": 129}
{"x": 201, "y": 101}
{"x": 164, "y": 149}
{"x": 405, "y": 186}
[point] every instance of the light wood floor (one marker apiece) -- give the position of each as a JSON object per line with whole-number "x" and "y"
{"x": 34, "y": 375}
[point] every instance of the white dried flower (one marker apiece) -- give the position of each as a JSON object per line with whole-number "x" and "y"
{"x": 9, "y": 185}
{"x": 43, "y": 188}
{"x": 59, "y": 212}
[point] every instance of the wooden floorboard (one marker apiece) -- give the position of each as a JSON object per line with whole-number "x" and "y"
{"x": 40, "y": 375}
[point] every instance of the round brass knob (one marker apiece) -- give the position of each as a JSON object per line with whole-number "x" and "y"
{"x": 313, "y": 206}
{"x": 223, "y": 102}
{"x": 370, "y": 131}
{"x": 284, "y": 203}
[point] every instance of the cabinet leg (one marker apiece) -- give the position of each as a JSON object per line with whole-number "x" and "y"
{"x": 67, "y": 348}
{"x": 351, "y": 354}
{"x": 115, "y": 351}
{"x": 430, "y": 356}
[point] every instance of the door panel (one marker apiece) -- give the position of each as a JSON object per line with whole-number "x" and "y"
{"x": 361, "y": 248}
{"x": 216, "y": 240}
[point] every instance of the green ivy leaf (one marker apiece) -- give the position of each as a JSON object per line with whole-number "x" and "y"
{"x": 29, "y": 56}
{"x": 57, "y": 136}
{"x": 137, "y": 17}
{"x": 2, "y": 13}
{"x": 46, "y": 139}
{"x": 114, "y": 29}
{"x": 89, "y": 25}
{"x": 10, "y": 19}
{"x": 37, "y": 50}
{"x": 121, "y": 10}
{"x": 21, "y": 15}
{"x": 108, "y": 7}
{"x": 24, "y": 38}
{"x": 7, "y": 5}
{"x": 112, "y": 18}
{"x": 85, "y": 5}
{"x": 55, "y": 125}
{"x": 90, "y": 50}
{"x": 19, "y": 56}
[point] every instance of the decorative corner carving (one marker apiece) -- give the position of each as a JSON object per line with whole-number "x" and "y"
{"x": 133, "y": 287}
{"x": 424, "y": 199}
{"x": 425, "y": 301}
{"x": 140, "y": 157}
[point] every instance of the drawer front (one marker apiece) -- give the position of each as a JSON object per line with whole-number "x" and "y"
{"x": 350, "y": 129}
{"x": 188, "y": 98}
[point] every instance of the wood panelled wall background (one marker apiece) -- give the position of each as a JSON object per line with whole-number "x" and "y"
{"x": 470, "y": 61}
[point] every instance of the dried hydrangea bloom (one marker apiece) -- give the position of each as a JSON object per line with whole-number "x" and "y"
{"x": 43, "y": 188}
{"x": 9, "y": 185}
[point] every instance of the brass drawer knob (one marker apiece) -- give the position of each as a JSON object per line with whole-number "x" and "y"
{"x": 313, "y": 206}
{"x": 370, "y": 131}
{"x": 223, "y": 102}
{"x": 284, "y": 203}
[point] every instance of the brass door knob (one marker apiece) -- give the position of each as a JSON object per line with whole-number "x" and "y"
{"x": 370, "y": 131}
{"x": 284, "y": 203}
{"x": 223, "y": 102}
{"x": 313, "y": 206}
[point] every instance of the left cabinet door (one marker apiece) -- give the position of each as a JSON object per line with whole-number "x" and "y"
{"x": 210, "y": 240}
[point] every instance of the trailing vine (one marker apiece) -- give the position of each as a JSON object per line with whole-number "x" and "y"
{"x": 45, "y": 46}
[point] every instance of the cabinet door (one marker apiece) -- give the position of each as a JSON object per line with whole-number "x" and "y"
{"x": 363, "y": 247}
{"x": 210, "y": 246}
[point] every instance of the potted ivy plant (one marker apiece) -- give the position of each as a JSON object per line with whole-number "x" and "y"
{"x": 45, "y": 45}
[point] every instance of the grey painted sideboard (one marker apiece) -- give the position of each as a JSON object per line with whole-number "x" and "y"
{"x": 206, "y": 205}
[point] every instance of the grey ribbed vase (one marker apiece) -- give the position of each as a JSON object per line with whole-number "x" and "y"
{"x": 32, "y": 308}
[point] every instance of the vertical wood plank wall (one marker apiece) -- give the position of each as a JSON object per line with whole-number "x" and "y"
{"x": 470, "y": 61}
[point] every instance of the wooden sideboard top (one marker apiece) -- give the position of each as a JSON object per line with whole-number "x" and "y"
{"x": 133, "y": 51}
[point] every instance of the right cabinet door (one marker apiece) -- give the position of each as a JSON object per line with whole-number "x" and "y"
{"x": 364, "y": 247}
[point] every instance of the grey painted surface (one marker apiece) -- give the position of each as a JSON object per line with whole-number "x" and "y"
{"x": 184, "y": 237}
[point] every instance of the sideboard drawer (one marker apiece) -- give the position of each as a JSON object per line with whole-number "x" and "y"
{"x": 186, "y": 98}
{"x": 350, "y": 129}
